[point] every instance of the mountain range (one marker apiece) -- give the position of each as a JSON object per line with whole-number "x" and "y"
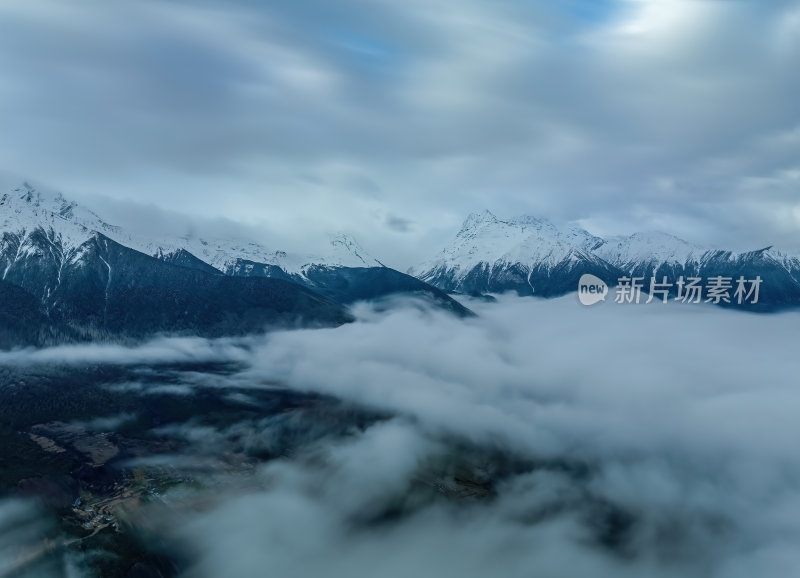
{"x": 65, "y": 275}
{"x": 533, "y": 256}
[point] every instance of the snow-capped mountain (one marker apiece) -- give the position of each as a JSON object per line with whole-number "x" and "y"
{"x": 26, "y": 207}
{"x": 484, "y": 238}
{"x": 532, "y": 256}
{"x": 230, "y": 255}
{"x": 662, "y": 255}
{"x": 652, "y": 250}
{"x": 69, "y": 274}
{"x": 63, "y": 225}
{"x": 65, "y": 278}
{"x": 525, "y": 254}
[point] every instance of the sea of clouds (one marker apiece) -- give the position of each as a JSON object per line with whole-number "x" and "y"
{"x": 682, "y": 417}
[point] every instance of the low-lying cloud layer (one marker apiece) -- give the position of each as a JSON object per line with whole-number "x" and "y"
{"x": 659, "y": 441}
{"x": 685, "y": 418}
{"x": 648, "y": 440}
{"x": 158, "y": 351}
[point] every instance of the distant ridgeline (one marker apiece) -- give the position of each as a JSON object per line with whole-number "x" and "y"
{"x": 532, "y": 256}
{"x": 66, "y": 275}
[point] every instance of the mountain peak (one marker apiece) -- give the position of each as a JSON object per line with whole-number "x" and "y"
{"x": 346, "y": 251}
{"x": 344, "y": 240}
{"x": 38, "y": 197}
{"x": 486, "y": 240}
{"x": 26, "y": 207}
{"x": 478, "y": 218}
{"x": 37, "y": 200}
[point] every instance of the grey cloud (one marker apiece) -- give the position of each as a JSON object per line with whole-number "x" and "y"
{"x": 543, "y": 375}
{"x": 682, "y": 416}
{"x": 399, "y": 224}
{"x": 25, "y": 533}
{"x": 517, "y": 107}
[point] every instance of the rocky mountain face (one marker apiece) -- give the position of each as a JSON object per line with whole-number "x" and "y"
{"x": 532, "y": 256}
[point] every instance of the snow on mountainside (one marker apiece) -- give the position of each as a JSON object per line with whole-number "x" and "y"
{"x": 343, "y": 251}
{"x": 101, "y": 280}
{"x": 531, "y": 256}
{"x": 647, "y": 252}
{"x": 25, "y": 208}
{"x": 788, "y": 261}
{"x": 525, "y": 254}
{"x": 224, "y": 254}
{"x": 532, "y": 241}
{"x": 485, "y": 239}
{"x": 653, "y": 249}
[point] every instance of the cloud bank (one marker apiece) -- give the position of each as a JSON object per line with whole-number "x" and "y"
{"x": 540, "y": 438}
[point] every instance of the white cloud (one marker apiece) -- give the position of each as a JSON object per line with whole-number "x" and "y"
{"x": 679, "y": 418}
{"x": 250, "y": 111}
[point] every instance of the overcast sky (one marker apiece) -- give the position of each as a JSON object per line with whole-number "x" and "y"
{"x": 392, "y": 120}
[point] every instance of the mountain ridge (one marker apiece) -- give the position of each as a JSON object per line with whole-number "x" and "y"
{"x": 32, "y": 204}
{"x": 89, "y": 280}
{"x": 532, "y": 256}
